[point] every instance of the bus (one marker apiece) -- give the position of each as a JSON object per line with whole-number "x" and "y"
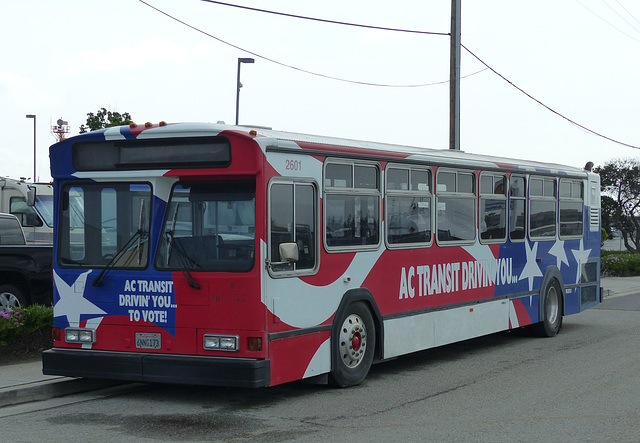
{"x": 209, "y": 254}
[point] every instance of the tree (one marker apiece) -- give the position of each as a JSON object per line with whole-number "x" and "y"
{"x": 620, "y": 184}
{"x": 105, "y": 119}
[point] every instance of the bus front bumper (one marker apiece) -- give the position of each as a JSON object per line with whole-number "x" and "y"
{"x": 157, "y": 368}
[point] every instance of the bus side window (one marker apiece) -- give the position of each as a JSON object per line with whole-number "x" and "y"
{"x": 455, "y": 207}
{"x": 352, "y": 205}
{"x": 493, "y": 208}
{"x": 571, "y": 208}
{"x": 517, "y": 208}
{"x": 542, "y": 208}
{"x": 408, "y": 206}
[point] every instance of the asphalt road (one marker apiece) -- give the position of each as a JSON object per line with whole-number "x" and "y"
{"x": 581, "y": 386}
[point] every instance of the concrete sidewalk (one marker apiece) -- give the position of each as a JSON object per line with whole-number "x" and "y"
{"x": 24, "y": 382}
{"x": 619, "y": 286}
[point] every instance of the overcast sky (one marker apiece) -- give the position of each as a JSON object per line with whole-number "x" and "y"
{"x": 65, "y": 58}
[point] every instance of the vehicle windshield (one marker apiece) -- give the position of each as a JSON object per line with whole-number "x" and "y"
{"x": 209, "y": 227}
{"x": 98, "y": 222}
{"x": 44, "y": 206}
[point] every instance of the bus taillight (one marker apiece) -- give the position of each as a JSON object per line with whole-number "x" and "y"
{"x": 254, "y": 344}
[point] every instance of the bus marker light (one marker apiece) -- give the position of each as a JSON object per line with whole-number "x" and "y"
{"x": 56, "y": 333}
{"x": 254, "y": 343}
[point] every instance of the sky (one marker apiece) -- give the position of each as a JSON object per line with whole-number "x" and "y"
{"x": 581, "y": 58}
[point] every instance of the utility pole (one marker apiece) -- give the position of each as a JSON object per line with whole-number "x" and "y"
{"x": 454, "y": 77}
{"x": 33, "y": 116}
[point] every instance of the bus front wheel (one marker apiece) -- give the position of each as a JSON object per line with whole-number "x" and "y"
{"x": 552, "y": 310}
{"x": 353, "y": 345}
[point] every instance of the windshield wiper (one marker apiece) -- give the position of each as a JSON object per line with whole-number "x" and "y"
{"x": 182, "y": 254}
{"x": 184, "y": 258}
{"x": 138, "y": 236}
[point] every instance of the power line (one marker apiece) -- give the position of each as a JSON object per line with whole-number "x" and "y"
{"x": 590, "y": 131}
{"x": 627, "y": 11}
{"x": 584, "y": 128}
{"x": 315, "y": 19}
{"x": 620, "y": 15}
{"x": 255, "y": 54}
{"x": 610, "y": 24}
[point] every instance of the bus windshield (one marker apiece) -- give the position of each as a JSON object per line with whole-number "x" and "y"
{"x": 98, "y": 222}
{"x": 209, "y": 227}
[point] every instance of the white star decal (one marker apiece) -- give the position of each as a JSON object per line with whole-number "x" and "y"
{"x": 531, "y": 269}
{"x": 581, "y": 255}
{"x": 72, "y": 303}
{"x": 558, "y": 251}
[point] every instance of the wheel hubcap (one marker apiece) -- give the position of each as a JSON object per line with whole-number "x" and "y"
{"x": 552, "y": 305}
{"x": 7, "y": 301}
{"x": 353, "y": 341}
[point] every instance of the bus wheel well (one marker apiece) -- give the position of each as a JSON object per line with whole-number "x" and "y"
{"x": 552, "y": 273}
{"x": 552, "y": 304}
{"x": 16, "y": 280}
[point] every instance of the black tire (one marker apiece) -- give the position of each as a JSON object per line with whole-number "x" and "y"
{"x": 353, "y": 345}
{"x": 552, "y": 310}
{"x": 11, "y": 296}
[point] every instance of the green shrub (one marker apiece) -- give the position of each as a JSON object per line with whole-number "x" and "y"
{"x": 16, "y": 322}
{"x": 10, "y": 326}
{"x": 620, "y": 264}
{"x": 37, "y": 317}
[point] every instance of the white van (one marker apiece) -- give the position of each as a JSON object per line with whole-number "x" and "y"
{"x": 32, "y": 204}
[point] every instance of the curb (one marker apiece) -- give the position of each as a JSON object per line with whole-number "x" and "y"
{"x": 608, "y": 293}
{"x": 45, "y": 390}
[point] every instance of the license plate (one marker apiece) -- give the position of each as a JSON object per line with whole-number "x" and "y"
{"x": 145, "y": 340}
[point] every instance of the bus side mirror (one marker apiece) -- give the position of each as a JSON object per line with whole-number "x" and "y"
{"x": 289, "y": 252}
{"x": 31, "y": 197}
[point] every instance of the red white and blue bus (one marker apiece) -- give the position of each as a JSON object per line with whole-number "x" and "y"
{"x": 236, "y": 256}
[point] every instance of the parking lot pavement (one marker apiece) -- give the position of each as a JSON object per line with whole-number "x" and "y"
{"x": 24, "y": 382}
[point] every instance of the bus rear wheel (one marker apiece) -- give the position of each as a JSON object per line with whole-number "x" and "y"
{"x": 11, "y": 297}
{"x": 353, "y": 345}
{"x": 552, "y": 309}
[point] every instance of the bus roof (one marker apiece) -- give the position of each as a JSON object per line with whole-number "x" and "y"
{"x": 273, "y": 140}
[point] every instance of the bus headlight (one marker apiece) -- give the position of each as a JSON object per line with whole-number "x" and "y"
{"x": 73, "y": 335}
{"x": 212, "y": 342}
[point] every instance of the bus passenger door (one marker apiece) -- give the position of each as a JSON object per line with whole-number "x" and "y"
{"x": 293, "y": 210}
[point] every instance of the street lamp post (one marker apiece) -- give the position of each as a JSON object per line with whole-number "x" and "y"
{"x": 33, "y": 116}
{"x": 239, "y": 85}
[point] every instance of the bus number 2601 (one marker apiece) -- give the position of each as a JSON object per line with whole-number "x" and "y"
{"x": 293, "y": 165}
